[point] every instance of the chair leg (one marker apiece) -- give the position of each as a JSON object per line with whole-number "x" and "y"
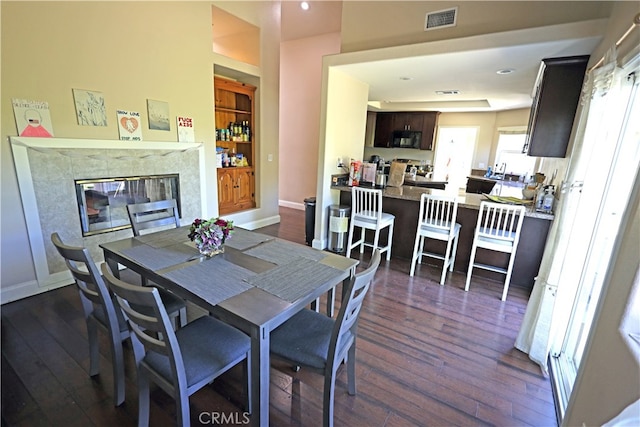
{"x": 94, "y": 351}
{"x": 416, "y": 254}
{"x": 143, "y": 399}
{"x": 328, "y": 396}
{"x": 445, "y": 263}
{"x": 246, "y": 368}
{"x": 508, "y": 278}
{"x": 351, "y": 369}
{"x": 183, "y": 317}
{"x": 471, "y": 261}
{"x": 117, "y": 361}
{"x": 350, "y": 239}
{"x": 361, "y": 240}
{"x": 453, "y": 255}
{"x": 182, "y": 408}
{"x": 376, "y": 239}
{"x": 390, "y": 241}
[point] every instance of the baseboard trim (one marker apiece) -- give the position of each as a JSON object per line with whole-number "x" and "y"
{"x": 292, "y": 205}
{"x": 28, "y": 289}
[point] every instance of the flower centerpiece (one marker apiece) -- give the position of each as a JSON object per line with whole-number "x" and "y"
{"x": 210, "y": 235}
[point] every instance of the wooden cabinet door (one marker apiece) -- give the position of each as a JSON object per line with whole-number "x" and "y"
{"x": 429, "y": 125}
{"x": 554, "y": 107}
{"x": 244, "y": 188}
{"x": 226, "y": 190}
{"x": 410, "y": 121}
{"x": 384, "y": 129}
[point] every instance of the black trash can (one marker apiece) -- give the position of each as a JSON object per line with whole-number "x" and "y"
{"x": 309, "y": 219}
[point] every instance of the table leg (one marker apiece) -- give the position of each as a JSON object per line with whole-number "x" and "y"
{"x": 113, "y": 266}
{"x": 260, "y": 366}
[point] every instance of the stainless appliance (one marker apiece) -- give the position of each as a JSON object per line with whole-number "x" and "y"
{"x": 406, "y": 139}
{"x": 381, "y": 180}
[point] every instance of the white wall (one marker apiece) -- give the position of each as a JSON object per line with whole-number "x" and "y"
{"x": 344, "y": 114}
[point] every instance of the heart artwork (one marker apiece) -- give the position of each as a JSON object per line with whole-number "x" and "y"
{"x": 129, "y": 123}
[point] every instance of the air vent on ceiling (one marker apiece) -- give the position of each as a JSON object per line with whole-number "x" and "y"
{"x": 441, "y": 19}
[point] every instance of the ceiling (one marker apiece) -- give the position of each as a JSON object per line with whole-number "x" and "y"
{"x": 467, "y": 65}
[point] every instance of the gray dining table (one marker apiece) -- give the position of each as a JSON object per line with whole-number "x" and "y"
{"x": 257, "y": 284}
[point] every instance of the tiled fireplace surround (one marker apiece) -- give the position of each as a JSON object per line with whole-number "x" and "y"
{"x": 46, "y": 170}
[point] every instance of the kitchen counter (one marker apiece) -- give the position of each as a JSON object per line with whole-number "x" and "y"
{"x": 404, "y": 203}
{"x": 465, "y": 200}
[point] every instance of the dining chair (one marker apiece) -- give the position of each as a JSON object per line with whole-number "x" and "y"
{"x": 320, "y": 343}
{"x": 182, "y": 362}
{"x": 153, "y": 215}
{"x": 437, "y": 220}
{"x": 497, "y": 229}
{"x": 366, "y": 213}
{"x": 99, "y": 310}
{"x": 147, "y": 217}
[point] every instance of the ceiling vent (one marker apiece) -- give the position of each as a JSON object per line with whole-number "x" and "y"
{"x": 441, "y": 19}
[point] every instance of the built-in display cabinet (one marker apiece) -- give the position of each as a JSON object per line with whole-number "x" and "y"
{"x": 235, "y": 120}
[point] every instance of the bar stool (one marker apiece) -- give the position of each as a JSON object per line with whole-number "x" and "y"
{"x": 366, "y": 213}
{"x": 498, "y": 229}
{"x": 437, "y": 220}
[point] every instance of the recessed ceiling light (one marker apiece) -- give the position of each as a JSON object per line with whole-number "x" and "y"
{"x": 304, "y": 5}
{"x": 505, "y": 71}
{"x": 406, "y": 78}
{"x": 448, "y": 92}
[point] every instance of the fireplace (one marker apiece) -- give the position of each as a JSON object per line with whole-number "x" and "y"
{"x": 102, "y": 203}
{"x": 48, "y": 168}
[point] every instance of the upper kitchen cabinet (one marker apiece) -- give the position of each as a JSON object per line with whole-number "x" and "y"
{"x": 557, "y": 93}
{"x": 394, "y": 122}
{"x": 384, "y": 130}
{"x": 429, "y": 126}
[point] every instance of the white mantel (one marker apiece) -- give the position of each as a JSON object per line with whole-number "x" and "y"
{"x": 47, "y": 167}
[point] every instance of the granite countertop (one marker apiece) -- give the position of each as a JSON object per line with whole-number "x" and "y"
{"x": 465, "y": 200}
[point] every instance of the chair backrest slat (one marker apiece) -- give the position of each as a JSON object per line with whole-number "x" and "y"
{"x": 500, "y": 221}
{"x": 347, "y": 318}
{"x": 147, "y": 318}
{"x": 438, "y": 211}
{"x": 367, "y": 202}
{"x": 149, "y": 215}
{"x": 93, "y": 291}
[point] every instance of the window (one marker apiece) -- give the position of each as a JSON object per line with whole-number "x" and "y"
{"x": 509, "y": 156}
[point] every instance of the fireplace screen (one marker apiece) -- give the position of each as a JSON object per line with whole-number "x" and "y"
{"x": 102, "y": 203}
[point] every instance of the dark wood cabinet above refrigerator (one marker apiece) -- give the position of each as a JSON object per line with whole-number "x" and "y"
{"x": 388, "y": 123}
{"x": 557, "y": 94}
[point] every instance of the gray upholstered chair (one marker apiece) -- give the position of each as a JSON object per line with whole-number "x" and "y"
{"x": 149, "y": 216}
{"x": 318, "y": 342}
{"x": 182, "y": 362}
{"x": 153, "y": 215}
{"x": 99, "y": 310}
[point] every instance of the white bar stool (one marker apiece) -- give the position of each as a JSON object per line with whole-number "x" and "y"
{"x": 366, "y": 213}
{"x": 437, "y": 220}
{"x": 498, "y": 229}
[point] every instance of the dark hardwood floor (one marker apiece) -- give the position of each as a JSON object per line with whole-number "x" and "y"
{"x": 427, "y": 355}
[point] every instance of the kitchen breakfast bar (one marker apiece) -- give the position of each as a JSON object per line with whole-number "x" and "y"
{"x": 404, "y": 203}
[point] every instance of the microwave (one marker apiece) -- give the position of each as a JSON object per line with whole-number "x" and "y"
{"x": 406, "y": 139}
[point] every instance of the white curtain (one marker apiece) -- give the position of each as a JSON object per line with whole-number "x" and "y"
{"x": 535, "y": 336}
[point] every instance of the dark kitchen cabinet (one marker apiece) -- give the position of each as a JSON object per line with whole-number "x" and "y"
{"x": 387, "y": 123}
{"x": 384, "y": 129}
{"x": 408, "y": 121}
{"x": 429, "y": 126}
{"x": 557, "y": 93}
